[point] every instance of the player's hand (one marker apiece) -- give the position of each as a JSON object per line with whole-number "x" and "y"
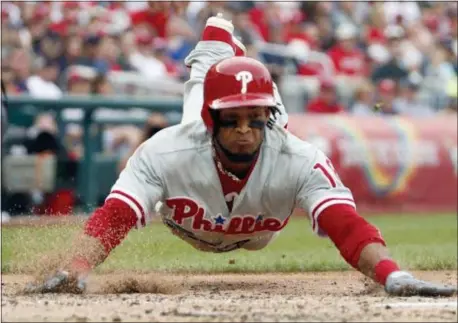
{"x": 401, "y": 283}
{"x": 61, "y": 281}
{"x": 68, "y": 279}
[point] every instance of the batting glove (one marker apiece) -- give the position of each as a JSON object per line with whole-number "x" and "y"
{"x": 61, "y": 281}
{"x": 401, "y": 283}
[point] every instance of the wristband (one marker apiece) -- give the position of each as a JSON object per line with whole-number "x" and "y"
{"x": 383, "y": 269}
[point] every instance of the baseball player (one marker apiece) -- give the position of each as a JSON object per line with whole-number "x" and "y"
{"x": 230, "y": 175}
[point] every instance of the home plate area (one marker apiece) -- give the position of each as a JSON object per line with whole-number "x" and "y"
{"x": 275, "y": 297}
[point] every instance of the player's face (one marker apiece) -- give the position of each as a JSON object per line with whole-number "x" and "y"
{"x": 242, "y": 129}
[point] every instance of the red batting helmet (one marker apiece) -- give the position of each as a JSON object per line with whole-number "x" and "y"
{"x": 236, "y": 82}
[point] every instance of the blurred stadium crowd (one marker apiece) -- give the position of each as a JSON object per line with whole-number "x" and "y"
{"x": 50, "y": 48}
{"x": 326, "y": 57}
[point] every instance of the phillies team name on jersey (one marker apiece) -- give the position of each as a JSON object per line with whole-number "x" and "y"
{"x": 184, "y": 208}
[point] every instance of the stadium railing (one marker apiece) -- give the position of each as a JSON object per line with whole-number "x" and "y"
{"x": 90, "y": 106}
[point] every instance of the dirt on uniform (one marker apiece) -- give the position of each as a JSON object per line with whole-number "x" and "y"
{"x": 153, "y": 297}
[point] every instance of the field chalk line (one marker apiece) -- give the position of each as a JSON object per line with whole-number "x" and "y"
{"x": 452, "y": 304}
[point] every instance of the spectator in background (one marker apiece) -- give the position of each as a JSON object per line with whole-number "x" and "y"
{"x": 298, "y": 29}
{"x": 68, "y": 22}
{"x": 51, "y": 46}
{"x": 94, "y": 55}
{"x": 160, "y": 53}
{"x": 344, "y": 13}
{"x": 155, "y": 123}
{"x": 80, "y": 82}
{"x": 439, "y": 71}
{"x": 300, "y": 51}
{"x": 20, "y": 62}
{"x": 324, "y": 25}
{"x": 401, "y": 12}
{"x": 127, "y": 44}
{"x": 364, "y": 100}
{"x": 43, "y": 135}
{"x": 119, "y": 140}
{"x": 178, "y": 26}
{"x": 409, "y": 102}
{"x": 374, "y": 39}
{"x": 348, "y": 59}
{"x": 376, "y": 24}
{"x": 42, "y": 83}
{"x": 44, "y": 141}
{"x": 37, "y": 26}
{"x": 394, "y": 68}
{"x": 14, "y": 35}
{"x": 265, "y": 18}
{"x": 8, "y": 79}
{"x": 80, "y": 79}
{"x": 39, "y": 139}
{"x": 101, "y": 85}
{"x": 73, "y": 141}
{"x": 144, "y": 60}
{"x": 326, "y": 101}
{"x": 73, "y": 51}
{"x": 243, "y": 27}
{"x": 201, "y": 11}
{"x": 386, "y": 95}
{"x": 154, "y": 18}
{"x": 107, "y": 54}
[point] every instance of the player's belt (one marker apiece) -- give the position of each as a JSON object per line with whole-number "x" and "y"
{"x": 216, "y": 247}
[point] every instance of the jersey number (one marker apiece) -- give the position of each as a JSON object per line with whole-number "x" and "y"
{"x": 330, "y": 174}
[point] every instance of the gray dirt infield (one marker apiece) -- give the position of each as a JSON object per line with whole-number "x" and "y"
{"x": 154, "y": 297}
{"x": 343, "y": 296}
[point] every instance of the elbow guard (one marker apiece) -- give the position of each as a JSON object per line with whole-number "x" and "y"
{"x": 111, "y": 223}
{"x": 349, "y": 232}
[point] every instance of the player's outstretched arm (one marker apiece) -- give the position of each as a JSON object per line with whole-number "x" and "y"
{"x": 103, "y": 231}
{"x": 333, "y": 213}
{"x": 363, "y": 247}
{"x": 135, "y": 192}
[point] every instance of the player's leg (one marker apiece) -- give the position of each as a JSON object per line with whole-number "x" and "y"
{"x": 217, "y": 42}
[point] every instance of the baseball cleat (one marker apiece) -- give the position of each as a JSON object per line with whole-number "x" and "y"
{"x": 218, "y": 29}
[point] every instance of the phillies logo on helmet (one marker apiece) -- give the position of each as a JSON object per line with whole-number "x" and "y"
{"x": 245, "y": 77}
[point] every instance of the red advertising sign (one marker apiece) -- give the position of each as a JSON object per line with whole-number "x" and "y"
{"x": 389, "y": 163}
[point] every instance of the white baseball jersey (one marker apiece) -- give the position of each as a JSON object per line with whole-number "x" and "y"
{"x": 176, "y": 167}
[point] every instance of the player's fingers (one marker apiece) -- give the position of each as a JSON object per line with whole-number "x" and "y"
{"x": 50, "y": 285}
{"x": 420, "y": 288}
{"x": 434, "y": 290}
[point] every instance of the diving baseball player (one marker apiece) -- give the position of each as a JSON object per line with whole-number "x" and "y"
{"x": 230, "y": 175}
